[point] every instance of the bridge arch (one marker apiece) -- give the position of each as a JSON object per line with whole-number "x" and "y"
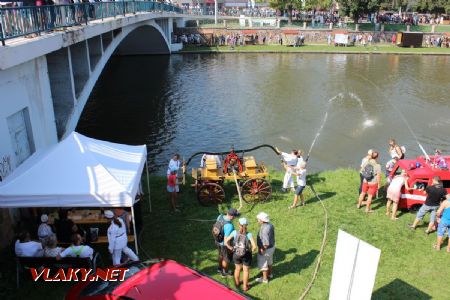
{"x": 146, "y": 39}
{"x": 74, "y": 70}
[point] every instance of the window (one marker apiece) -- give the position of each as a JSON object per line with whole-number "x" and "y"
{"x": 21, "y": 135}
{"x": 421, "y": 183}
{"x": 446, "y": 184}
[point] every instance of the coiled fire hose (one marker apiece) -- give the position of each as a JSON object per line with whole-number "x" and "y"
{"x": 322, "y": 247}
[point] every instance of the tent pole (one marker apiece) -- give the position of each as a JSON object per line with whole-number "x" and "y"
{"x": 148, "y": 187}
{"x": 134, "y": 230}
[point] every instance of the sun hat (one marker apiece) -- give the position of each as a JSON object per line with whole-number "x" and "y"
{"x": 44, "y": 218}
{"x": 243, "y": 221}
{"x": 109, "y": 214}
{"x": 233, "y": 212}
{"x": 262, "y": 216}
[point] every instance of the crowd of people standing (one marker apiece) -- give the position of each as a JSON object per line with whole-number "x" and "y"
{"x": 437, "y": 202}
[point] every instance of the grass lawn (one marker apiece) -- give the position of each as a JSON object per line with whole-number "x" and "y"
{"x": 320, "y": 48}
{"x": 409, "y": 268}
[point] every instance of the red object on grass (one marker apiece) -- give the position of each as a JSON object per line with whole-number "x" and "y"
{"x": 421, "y": 176}
{"x": 163, "y": 279}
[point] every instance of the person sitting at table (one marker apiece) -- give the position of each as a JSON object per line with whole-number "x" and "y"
{"x": 64, "y": 227}
{"x": 25, "y": 247}
{"x": 118, "y": 239}
{"x": 77, "y": 249}
{"x": 51, "y": 249}
{"x": 76, "y": 228}
{"x": 44, "y": 229}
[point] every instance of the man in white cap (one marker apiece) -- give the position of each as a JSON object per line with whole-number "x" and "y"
{"x": 44, "y": 229}
{"x": 118, "y": 239}
{"x": 266, "y": 247}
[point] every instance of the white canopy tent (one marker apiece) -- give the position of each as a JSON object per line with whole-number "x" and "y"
{"x": 77, "y": 172}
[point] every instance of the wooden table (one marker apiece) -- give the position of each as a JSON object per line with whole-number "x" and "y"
{"x": 87, "y": 217}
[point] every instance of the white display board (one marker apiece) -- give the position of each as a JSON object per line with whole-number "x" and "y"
{"x": 242, "y": 21}
{"x": 355, "y": 268}
{"x": 341, "y": 39}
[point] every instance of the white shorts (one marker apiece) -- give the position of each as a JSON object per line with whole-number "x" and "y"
{"x": 172, "y": 189}
{"x": 265, "y": 260}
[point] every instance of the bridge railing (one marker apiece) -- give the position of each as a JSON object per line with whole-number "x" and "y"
{"x": 29, "y": 21}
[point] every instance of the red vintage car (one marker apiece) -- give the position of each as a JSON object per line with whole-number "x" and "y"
{"x": 155, "y": 279}
{"x": 421, "y": 172}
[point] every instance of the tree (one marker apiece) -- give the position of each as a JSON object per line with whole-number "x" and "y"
{"x": 433, "y": 6}
{"x": 317, "y": 4}
{"x": 356, "y": 8}
{"x": 287, "y": 5}
{"x": 290, "y": 5}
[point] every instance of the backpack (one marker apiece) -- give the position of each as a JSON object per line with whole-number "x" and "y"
{"x": 217, "y": 230}
{"x": 240, "y": 245}
{"x": 368, "y": 172}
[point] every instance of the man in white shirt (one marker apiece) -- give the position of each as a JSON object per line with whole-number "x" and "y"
{"x": 25, "y": 247}
{"x": 76, "y": 249}
{"x": 290, "y": 160}
{"x": 174, "y": 164}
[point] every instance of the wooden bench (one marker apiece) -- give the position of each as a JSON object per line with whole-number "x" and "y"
{"x": 103, "y": 239}
{"x": 23, "y": 263}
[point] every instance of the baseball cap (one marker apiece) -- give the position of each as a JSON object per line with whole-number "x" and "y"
{"x": 233, "y": 212}
{"x": 44, "y": 218}
{"x": 109, "y": 214}
{"x": 262, "y": 216}
{"x": 243, "y": 221}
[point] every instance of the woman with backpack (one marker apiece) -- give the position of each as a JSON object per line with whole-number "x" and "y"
{"x": 371, "y": 181}
{"x": 244, "y": 245}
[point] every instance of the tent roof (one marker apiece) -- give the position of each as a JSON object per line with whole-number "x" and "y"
{"x": 77, "y": 172}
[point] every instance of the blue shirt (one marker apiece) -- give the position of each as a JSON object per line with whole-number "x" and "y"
{"x": 228, "y": 228}
{"x": 446, "y": 216}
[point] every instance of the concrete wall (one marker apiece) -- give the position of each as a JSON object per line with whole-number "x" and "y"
{"x": 24, "y": 86}
{"x": 288, "y": 34}
{"x": 27, "y": 85}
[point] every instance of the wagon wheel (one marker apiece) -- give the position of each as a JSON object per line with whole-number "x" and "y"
{"x": 256, "y": 190}
{"x": 210, "y": 194}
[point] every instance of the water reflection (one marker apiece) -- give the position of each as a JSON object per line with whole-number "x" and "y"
{"x": 187, "y": 103}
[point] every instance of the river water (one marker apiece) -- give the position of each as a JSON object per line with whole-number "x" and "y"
{"x": 200, "y": 102}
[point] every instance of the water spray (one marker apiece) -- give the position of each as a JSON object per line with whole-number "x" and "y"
{"x": 401, "y": 116}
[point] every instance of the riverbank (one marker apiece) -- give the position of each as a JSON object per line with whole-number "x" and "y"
{"x": 316, "y": 48}
{"x": 403, "y": 273}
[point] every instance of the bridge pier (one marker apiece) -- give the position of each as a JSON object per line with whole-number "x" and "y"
{"x": 62, "y": 87}
{"x": 80, "y": 65}
{"x": 95, "y": 50}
